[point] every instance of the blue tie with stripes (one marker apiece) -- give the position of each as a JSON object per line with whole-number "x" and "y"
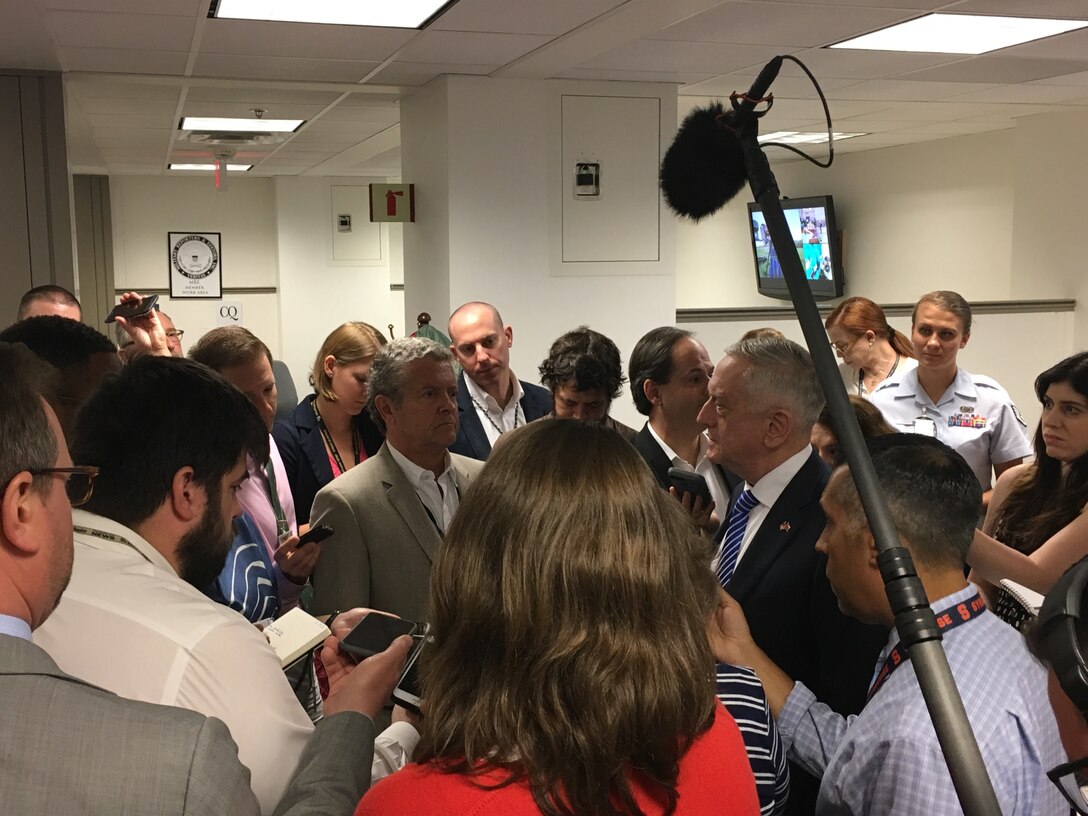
{"x": 734, "y": 534}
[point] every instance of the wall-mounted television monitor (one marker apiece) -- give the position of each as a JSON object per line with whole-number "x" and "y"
{"x": 817, "y": 240}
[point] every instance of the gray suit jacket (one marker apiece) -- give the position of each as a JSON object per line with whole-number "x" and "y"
{"x": 69, "y": 747}
{"x": 381, "y": 553}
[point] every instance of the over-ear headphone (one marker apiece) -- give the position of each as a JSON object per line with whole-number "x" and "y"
{"x": 1057, "y": 628}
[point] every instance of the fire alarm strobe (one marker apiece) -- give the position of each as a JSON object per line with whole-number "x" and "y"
{"x": 587, "y": 180}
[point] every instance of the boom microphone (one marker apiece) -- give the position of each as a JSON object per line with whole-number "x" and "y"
{"x": 704, "y": 167}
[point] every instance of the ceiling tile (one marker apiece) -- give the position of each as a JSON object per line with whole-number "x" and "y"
{"x": 128, "y": 107}
{"x": 416, "y": 73}
{"x": 554, "y": 17}
{"x": 1034, "y": 94}
{"x": 83, "y": 88}
{"x": 360, "y": 130}
{"x": 24, "y": 42}
{"x": 895, "y": 90}
{"x": 273, "y": 39}
{"x": 998, "y": 70}
{"x": 244, "y": 110}
{"x": 1079, "y": 78}
{"x": 138, "y": 120}
{"x": 266, "y": 97}
{"x": 761, "y": 23}
{"x": 948, "y": 111}
{"x": 100, "y": 30}
{"x": 122, "y": 61}
{"x": 247, "y": 67}
{"x": 1018, "y": 8}
{"x": 671, "y": 77}
{"x": 363, "y": 114}
{"x": 166, "y": 7}
{"x": 1071, "y": 45}
{"x": 785, "y": 87}
{"x": 683, "y": 57}
{"x": 469, "y": 47}
{"x": 843, "y": 63}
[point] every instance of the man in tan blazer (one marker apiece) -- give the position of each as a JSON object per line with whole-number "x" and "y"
{"x": 391, "y": 511}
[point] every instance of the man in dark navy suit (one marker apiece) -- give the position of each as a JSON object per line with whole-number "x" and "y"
{"x": 764, "y": 399}
{"x": 491, "y": 400}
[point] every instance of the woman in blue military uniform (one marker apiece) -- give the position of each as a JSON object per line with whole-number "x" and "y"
{"x": 969, "y": 412}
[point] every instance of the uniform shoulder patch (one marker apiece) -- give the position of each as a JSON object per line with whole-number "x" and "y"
{"x": 1016, "y": 413}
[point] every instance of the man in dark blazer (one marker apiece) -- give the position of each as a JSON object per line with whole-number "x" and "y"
{"x": 490, "y": 399}
{"x": 764, "y": 399}
{"x": 668, "y": 373}
{"x": 70, "y": 747}
{"x": 390, "y": 512}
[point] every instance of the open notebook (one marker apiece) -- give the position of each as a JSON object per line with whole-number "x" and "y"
{"x": 1016, "y": 604}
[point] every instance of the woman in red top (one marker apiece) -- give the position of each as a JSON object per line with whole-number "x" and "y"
{"x": 570, "y": 671}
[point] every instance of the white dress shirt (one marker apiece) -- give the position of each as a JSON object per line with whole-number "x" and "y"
{"x": 128, "y": 623}
{"x": 767, "y": 491}
{"x": 719, "y": 490}
{"x": 439, "y": 496}
{"x": 497, "y": 420}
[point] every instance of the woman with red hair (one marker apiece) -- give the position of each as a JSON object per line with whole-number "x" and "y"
{"x": 871, "y": 350}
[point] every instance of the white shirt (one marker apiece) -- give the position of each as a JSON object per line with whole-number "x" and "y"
{"x": 128, "y": 623}
{"x": 975, "y": 417}
{"x": 767, "y": 491}
{"x": 497, "y": 420}
{"x": 719, "y": 490}
{"x": 439, "y": 496}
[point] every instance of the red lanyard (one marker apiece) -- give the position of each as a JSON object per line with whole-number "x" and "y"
{"x": 947, "y": 620}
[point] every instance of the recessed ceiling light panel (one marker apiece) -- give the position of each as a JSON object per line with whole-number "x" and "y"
{"x": 212, "y": 123}
{"x": 395, "y": 14}
{"x": 233, "y": 168}
{"x": 960, "y": 34}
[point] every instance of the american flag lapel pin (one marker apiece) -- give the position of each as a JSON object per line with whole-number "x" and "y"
{"x": 784, "y": 526}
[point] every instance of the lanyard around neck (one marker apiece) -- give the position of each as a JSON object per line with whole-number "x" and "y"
{"x": 332, "y": 445}
{"x": 947, "y": 620}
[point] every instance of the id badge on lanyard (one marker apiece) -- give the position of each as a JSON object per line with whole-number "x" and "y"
{"x": 925, "y": 426}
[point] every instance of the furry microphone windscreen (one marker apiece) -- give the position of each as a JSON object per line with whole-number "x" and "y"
{"x": 704, "y": 168}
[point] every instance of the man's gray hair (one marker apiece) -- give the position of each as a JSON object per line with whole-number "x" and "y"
{"x": 389, "y": 371}
{"x": 781, "y": 373}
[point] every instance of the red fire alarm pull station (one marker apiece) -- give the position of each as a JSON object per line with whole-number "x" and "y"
{"x": 393, "y": 202}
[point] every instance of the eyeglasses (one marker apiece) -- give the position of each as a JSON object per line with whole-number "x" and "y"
{"x": 176, "y": 333}
{"x": 1072, "y": 780}
{"x": 843, "y": 346}
{"x": 78, "y": 481}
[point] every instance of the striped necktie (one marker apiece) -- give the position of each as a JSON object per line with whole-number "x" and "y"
{"x": 734, "y": 534}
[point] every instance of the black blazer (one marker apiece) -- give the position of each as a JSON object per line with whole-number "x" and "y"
{"x": 659, "y": 464}
{"x": 781, "y": 583}
{"x": 304, "y": 456}
{"x": 471, "y": 439}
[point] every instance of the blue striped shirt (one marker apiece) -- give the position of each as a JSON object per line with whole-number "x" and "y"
{"x": 742, "y": 695}
{"x": 886, "y": 760}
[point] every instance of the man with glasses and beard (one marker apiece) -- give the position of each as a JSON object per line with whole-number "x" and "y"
{"x": 169, "y": 438}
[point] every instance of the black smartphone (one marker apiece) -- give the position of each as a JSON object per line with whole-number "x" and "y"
{"x": 134, "y": 309}
{"x": 687, "y": 482}
{"x": 407, "y": 691}
{"x": 316, "y": 534}
{"x": 374, "y": 633}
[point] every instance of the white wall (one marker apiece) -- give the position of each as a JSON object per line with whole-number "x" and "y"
{"x": 317, "y": 293}
{"x": 936, "y": 215}
{"x": 275, "y": 233}
{"x": 145, "y": 208}
{"x": 487, "y": 156}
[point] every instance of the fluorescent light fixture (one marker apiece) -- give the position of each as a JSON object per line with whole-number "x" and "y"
{"x": 795, "y": 137}
{"x": 209, "y": 168}
{"x": 391, "y": 14}
{"x": 960, "y": 34}
{"x": 238, "y": 125}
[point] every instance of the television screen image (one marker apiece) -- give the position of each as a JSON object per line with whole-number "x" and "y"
{"x": 811, "y": 222}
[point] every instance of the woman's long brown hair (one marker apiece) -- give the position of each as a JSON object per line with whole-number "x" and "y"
{"x": 569, "y": 610}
